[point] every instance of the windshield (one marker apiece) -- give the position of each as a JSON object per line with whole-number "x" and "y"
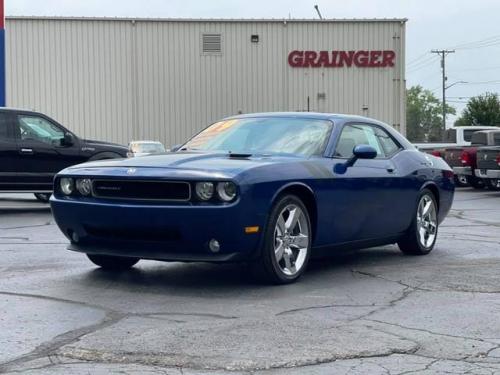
{"x": 297, "y": 136}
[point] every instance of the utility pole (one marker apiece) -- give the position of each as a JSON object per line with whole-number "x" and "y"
{"x": 443, "y": 53}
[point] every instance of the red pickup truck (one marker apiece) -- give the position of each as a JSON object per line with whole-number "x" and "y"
{"x": 463, "y": 159}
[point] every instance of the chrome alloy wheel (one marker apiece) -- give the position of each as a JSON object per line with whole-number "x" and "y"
{"x": 291, "y": 240}
{"x": 426, "y": 221}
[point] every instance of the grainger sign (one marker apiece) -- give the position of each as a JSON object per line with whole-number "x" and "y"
{"x": 339, "y": 59}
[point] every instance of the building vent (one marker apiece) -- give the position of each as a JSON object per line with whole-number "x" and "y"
{"x": 212, "y": 43}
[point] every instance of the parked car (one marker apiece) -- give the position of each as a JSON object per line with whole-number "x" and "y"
{"x": 34, "y": 147}
{"x": 142, "y": 148}
{"x": 463, "y": 159}
{"x": 455, "y": 136}
{"x": 262, "y": 188}
{"x": 488, "y": 166}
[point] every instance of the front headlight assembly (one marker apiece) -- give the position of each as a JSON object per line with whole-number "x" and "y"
{"x": 67, "y": 185}
{"x": 227, "y": 191}
{"x": 204, "y": 190}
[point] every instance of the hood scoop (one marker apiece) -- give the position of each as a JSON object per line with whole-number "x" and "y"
{"x": 238, "y": 155}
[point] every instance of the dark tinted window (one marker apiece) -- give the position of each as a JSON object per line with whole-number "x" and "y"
{"x": 496, "y": 138}
{"x": 479, "y": 138}
{"x": 468, "y": 134}
{"x": 5, "y": 131}
{"x": 451, "y": 136}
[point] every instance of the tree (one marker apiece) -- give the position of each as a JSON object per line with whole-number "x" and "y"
{"x": 424, "y": 115}
{"x": 481, "y": 110}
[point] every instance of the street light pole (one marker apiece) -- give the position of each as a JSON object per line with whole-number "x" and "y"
{"x": 443, "y": 53}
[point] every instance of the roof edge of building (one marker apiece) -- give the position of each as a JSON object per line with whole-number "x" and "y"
{"x": 229, "y": 20}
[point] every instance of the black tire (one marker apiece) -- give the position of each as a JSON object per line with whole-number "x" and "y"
{"x": 43, "y": 197}
{"x": 475, "y": 182}
{"x": 460, "y": 181}
{"x": 112, "y": 263}
{"x": 411, "y": 243}
{"x": 493, "y": 184}
{"x": 267, "y": 268}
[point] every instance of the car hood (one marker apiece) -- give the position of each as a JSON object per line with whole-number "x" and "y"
{"x": 107, "y": 146}
{"x": 189, "y": 162}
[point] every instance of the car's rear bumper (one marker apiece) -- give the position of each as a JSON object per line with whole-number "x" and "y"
{"x": 488, "y": 173}
{"x": 174, "y": 233}
{"x": 462, "y": 171}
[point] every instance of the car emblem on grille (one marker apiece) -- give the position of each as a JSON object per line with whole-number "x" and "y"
{"x": 131, "y": 170}
{"x": 485, "y": 156}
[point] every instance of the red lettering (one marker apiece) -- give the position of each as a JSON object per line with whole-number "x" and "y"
{"x": 329, "y": 59}
{"x": 361, "y": 58}
{"x": 310, "y": 59}
{"x": 333, "y": 61}
{"x": 323, "y": 59}
{"x": 374, "y": 58}
{"x": 388, "y": 58}
{"x": 296, "y": 59}
{"x": 346, "y": 58}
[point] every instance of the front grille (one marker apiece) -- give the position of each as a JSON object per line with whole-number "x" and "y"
{"x": 142, "y": 190}
{"x": 486, "y": 159}
{"x": 134, "y": 234}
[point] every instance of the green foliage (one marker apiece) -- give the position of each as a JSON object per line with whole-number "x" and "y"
{"x": 424, "y": 115}
{"x": 481, "y": 110}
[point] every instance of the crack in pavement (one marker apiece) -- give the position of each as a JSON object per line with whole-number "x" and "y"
{"x": 300, "y": 309}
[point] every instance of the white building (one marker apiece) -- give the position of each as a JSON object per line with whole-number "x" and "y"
{"x": 166, "y": 79}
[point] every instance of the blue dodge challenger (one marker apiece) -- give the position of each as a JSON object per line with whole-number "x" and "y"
{"x": 268, "y": 189}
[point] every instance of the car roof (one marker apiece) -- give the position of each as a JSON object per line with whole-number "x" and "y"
{"x": 12, "y": 109}
{"x": 139, "y": 142}
{"x": 489, "y": 131}
{"x": 309, "y": 115}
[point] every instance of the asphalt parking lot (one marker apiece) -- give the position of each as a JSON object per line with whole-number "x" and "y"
{"x": 370, "y": 312}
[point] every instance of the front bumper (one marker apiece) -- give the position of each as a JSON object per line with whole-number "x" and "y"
{"x": 160, "y": 232}
{"x": 488, "y": 173}
{"x": 462, "y": 171}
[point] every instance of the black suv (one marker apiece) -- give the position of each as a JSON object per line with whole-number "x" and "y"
{"x": 34, "y": 147}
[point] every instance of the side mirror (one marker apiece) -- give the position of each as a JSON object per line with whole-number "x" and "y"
{"x": 175, "y": 148}
{"x": 358, "y": 152}
{"x": 68, "y": 140}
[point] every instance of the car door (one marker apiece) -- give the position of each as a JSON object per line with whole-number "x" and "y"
{"x": 40, "y": 144}
{"x": 9, "y": 157}
{"x": 365, "y": 198}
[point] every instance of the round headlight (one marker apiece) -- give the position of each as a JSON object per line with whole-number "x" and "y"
{"x": 226, "y": 191}
{"x": 204, "y": 190}
{"x": 67, "y": 185}
{"x": 84, "y": 186}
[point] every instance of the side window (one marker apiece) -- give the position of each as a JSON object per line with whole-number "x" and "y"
{"x": 496, "y": 139}
{"x": 388, "y": 144}
{"x": 358, "y": 134}
{"x": 38, "y": 129}
{"x": 5, "y": 129}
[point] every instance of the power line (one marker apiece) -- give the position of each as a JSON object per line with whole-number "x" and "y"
{"x": 422, "y": 64}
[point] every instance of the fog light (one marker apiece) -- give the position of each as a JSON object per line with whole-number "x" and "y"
{"x": 84, "y": 186}
{"x": 214, "y": 245}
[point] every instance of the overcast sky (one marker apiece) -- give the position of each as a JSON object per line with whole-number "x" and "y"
{"x": 437, "y": 24}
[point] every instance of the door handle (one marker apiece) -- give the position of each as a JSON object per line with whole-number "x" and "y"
{"x": 26, "y": 151}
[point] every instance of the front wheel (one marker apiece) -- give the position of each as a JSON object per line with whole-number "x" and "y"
{"x": 493, "y": 184}
{"x": 422, "y": 234}
{"x": 112, "y": 263}
{"x": 286, "y": 245}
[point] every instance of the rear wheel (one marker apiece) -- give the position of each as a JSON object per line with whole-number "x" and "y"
{"x": 287, "y": 243}
{"x": 112, "y": 263}
{"x": 421, "y": 237}
{"x": 43, "y": 197}
{"x": 475, "y": 182}
{"x": 461, "y": 181}
{"x": 493, "y": 184}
